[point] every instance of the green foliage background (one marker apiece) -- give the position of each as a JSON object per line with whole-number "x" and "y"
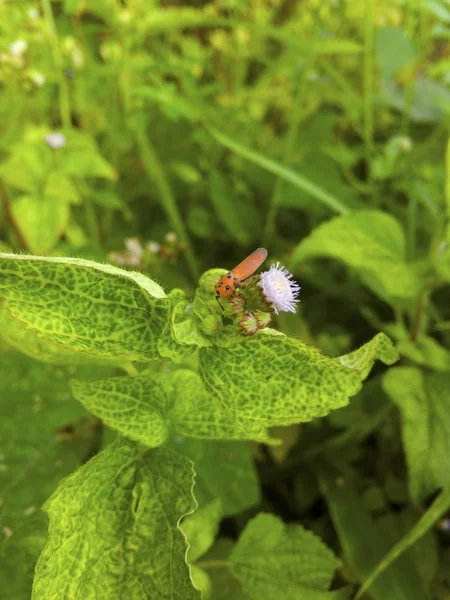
{"x": 169, "y": 138}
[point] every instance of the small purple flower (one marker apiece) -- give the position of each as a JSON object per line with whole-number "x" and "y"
{"x": 279, "y": 289}
{"x": 56, "y": 140}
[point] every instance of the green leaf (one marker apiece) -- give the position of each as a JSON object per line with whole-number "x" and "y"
{"x": 380, "y": 347}
{"x": 87, "y": 307}
{"x": 113, "y": 529}
{"x": 223, "y": 470}
{"x": 321, "y": 170}
{"x": 429, "y": 99}
{"x": 438, "y": 9}
{"x": 26, "y": 167}
{"x": 215, "y": 564}
{"x": 372, "y": 243}
{"x": 201, "y": 528}
{"x": 60, "y": 187}
{"x": 364, "y": 545}
{"x": 44, "y": 434}
{"x": 40, "y": 220}
{"x": 425, "y": 351}
{"x": 394, "y": 50}
{"x": 274, "y": 560}
{"x": 134, "y": 406}
{"x": 440, "y": 506}
{"x": 424, "y": 401}
{"x": 87, "y": 163}
{"x": 146, "y": 407}
{"x": 28, "y": 341}
{"x": 271, "y": 379}
{"x": 181, "y": 335}
{"x": 282, "y": 172}
{"x": 110, "y": 199}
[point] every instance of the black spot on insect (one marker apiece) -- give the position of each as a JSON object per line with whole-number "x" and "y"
{"x": 229, "y": 275}
{"x": 227, "y": 287}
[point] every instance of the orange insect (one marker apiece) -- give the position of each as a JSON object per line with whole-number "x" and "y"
{"x": 234, "y": 279}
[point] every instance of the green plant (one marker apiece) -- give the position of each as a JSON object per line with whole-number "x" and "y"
{"x": 75, "y": 310}
{"x": 170, "y": 138}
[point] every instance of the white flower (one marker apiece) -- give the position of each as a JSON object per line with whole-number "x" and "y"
{"x": 56, "y": 140}
{"x": 133, "y": 245}
{"x": 279, "y": 288}
{"x": 18, "y": 47}
{"x": 38, "y": 78}
{"x": 77, "y": 58}
{"x": 170, "y": 237}
{"x": 33, "y": 13}
{"x": 153, "y": 247}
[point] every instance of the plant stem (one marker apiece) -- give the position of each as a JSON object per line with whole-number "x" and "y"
{"x": 433, "y": 255}
{"x": 411, "y": 226}
{"x": 368, "y": 85}
{"x": 91, "y": 220}
{"x": 417, "y": 322}
{"x": 64, "y": 100}
{"x": 156, "y": 173}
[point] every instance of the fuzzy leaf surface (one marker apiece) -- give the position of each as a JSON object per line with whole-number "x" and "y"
{"x": 36, "y": 412}
{"x": 272, "y": 379}
{"x": 105, "y": 520}
{"x": 146, "y": 407}
{"x": 88, "y": 307}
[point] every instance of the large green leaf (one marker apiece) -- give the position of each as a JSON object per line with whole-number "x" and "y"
{"x": 223, "y": 470}
{"x": 364, "y": 545}
{"x": 137, "y": 407}
{"x": 45, "y": 435}
{"x": 271, "y": 379}
{"x": 84, "y": 306}
{"x": 277, "y": 561}
{"x": 17, "y": 334}
{"x": 147, "y": 407}
{"x": 372, "y": 243}
{"x": 113, "y": 529}
{"x": 394, "y": 50}
{"x": 201, "y": 528}
{"x": 424, "y": 402}
{"x": 41, "y": 220}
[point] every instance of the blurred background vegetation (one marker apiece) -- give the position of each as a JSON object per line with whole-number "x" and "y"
{"x": 173, "y": 137}
{"x": 159, "y": 102}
